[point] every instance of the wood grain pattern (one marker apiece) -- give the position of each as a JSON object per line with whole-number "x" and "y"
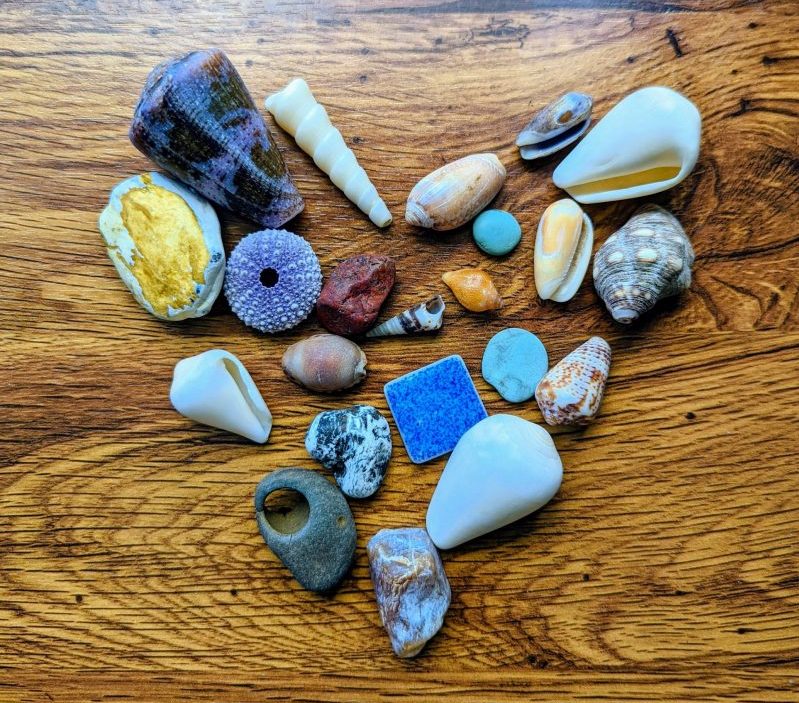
{"x": 667, "y": 568}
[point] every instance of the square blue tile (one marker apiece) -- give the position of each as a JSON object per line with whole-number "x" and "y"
{"x": 433, "y": 407}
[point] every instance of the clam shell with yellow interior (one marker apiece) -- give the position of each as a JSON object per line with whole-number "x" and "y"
{"x": 166, "y": 245}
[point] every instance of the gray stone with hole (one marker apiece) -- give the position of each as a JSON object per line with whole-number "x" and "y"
{"x": 315, "y": 539}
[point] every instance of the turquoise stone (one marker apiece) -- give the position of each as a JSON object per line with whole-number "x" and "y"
{"x": 514, "y": 361}
{"x": 496, "y": 232}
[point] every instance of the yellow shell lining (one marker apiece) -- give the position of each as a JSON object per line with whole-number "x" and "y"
{"x": 170, "y": 254}
{"x": 631, "y": 180}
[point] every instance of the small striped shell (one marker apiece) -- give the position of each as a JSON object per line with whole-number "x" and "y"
{"x": 422, "y": 317}
{"x": 572, "y": 390}
{"x": 648, "y": 259}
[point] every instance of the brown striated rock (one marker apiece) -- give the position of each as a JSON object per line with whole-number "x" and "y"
{"x": 411, "y": 588}
{"x": 354, "y": 293}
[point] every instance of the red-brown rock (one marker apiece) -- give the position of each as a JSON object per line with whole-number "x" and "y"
{"x": 354, "y": 293}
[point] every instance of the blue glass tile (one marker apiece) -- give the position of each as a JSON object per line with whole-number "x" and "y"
{"x": 433, "y": 407}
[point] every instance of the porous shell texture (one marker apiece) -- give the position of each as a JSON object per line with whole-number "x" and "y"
{"x": 648, "y": 259}
{"x": 325, "y": 362}
{"x": 411, "y": 588}
{"x": 273, "y": 280}
{"x": 572, "y": 390}
{"x": 354, "y": 293}
{"x": 355, "y": 444}
{"x": 196, "y": 119}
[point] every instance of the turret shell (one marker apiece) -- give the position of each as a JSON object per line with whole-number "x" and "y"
{"x": 422, "y": 317}
{"x": 648, "y": 259}
{"x": 563, "y": 248}
{"x": 559, "y": 124}
{"x": 455, "y": 193}
{"x": 647, "y": 143}
{"x": 296, "y": 110}
{"x": 571, "y": 392}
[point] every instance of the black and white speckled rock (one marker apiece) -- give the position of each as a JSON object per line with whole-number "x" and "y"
{"x": 355, "y": 444}
{"x": 315, "y": 540}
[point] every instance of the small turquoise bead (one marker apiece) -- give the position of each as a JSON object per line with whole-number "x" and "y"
{"x": 496, "y": 232}
{"x": 514, "y": 362}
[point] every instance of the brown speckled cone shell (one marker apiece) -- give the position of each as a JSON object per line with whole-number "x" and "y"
{"x": 572, "y": 390}
{"x": 648, "y": 259}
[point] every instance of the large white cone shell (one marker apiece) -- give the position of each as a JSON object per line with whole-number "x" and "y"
{"x": 295, "y": 109}
{"x": 652, "y": 128}
{"x": 215, "y": 389}
{"x": 502, "y": 469}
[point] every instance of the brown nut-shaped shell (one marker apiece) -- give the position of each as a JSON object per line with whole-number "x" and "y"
{"x": 325, "y": 362}
{"x": 453, "y": 194}
{"x": 474, "y": 289}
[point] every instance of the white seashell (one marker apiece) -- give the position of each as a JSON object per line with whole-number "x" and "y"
{"x": 215, "y": 389}
{"x": 556, "y": 126}
{"x": 563, "y": 248}
{"x": 295, "y": 109}
{"x": 571, "y": 392}
{"x": 452, "y": 195}
{"x": 422, "y": 317}
{"x": 648, "y": 259}
{"x": 502, "y": 469}
{"x": 647, "y": 143}
{"x": 166, "y": 245}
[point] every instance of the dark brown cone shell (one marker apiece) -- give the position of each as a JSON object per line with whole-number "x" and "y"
{"x": 196, "y": 120}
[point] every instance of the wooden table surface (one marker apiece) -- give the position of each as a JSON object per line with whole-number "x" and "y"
{"x": 667, "y": 567}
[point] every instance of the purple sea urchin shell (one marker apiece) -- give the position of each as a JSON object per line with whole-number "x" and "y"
{"x": 273, "y": 280}
{"x": 196, "y": 119}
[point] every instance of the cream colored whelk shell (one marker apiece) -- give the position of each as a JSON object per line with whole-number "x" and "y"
{"x": 502, "y": 469}
{"x": 647, "y": 143}
{"x": 296, "y": 110}
{"x": 455, "y": 193}
{"x": 166, "y": 245}
{"x": 215, "y": 389}
{"x": 563, "y": 248}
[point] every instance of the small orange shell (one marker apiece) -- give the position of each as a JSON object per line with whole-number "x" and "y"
{"x": 474, "y": 289}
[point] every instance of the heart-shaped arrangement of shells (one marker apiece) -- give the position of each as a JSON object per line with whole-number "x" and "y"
{"x": 197, "y": 121}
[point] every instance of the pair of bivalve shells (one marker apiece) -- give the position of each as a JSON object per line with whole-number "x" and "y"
{"x": 647, "y": 143}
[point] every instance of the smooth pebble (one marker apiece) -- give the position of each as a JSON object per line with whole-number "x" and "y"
{"x": 514, "y": 361}
{"x": 496, "y": 232}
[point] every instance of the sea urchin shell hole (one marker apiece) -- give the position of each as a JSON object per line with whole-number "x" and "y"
{"x": 269, "y": 277}
{"x": 286, "y": 510}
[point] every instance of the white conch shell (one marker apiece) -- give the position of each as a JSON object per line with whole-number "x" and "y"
{"x": 571, "y": 392}
{"x": 215, "y": 389}
{"x": 647, "y": 143}
{"x": 422, "y": 317}
{"x": 502, "y": 469}
{"x": 563, "y": 248}
{"x": 452, "y": 195}
{"x": 295, "y": 109}
{"x": 176, "y": 276}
